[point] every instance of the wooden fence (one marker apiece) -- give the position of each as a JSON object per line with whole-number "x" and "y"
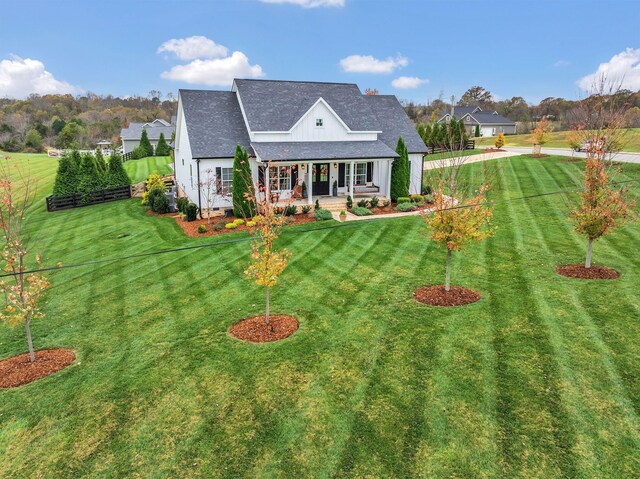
{"x": 55, "y": 203}
{"x": 469, "y": 145}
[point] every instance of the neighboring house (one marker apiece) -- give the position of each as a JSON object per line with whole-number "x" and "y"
{"x": 307, "y": 131}
{"x": 490, "y": 123}
{"x": 131, "y": 136}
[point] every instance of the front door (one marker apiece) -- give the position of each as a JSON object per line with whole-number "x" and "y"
{"x": 320, "y": 177}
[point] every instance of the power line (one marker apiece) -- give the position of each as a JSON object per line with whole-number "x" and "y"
{"x": 301, "y": 231}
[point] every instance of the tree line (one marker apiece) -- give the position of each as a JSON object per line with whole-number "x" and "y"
{"x": 67, "y": 121}
{"x": 560, "y": 111}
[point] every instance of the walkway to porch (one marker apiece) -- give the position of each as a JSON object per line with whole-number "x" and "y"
{"x": 336, "y": 203}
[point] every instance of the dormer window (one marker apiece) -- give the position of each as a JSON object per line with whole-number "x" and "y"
{"x": 319, "y": 123}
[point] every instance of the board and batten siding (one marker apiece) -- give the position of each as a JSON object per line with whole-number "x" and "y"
{"x": 415, "y": 180}
{"x": 332, "y": 129}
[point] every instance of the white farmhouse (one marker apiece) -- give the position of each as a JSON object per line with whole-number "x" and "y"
{"x": 311, "y": 132}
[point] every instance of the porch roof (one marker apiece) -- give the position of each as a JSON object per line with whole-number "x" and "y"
{"x": 322, "y": 150}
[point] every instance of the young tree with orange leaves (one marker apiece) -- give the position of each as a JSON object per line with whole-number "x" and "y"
{"x": 23, "y": 292}
{"x": 455, "y": 225}
{"x": 540, "y": 134}
{"x": 602, "y": 208}
{"x": 267, "y": 263}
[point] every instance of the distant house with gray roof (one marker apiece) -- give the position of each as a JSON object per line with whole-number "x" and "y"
{"x": 311, "y": 132}
{"x": 489, "y": 123}
{"x": 130, "y": 136}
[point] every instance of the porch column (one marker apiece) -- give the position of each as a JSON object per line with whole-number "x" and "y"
{"x": 351, "y": 175}
{"x": 390, "y": 165}
{"x": 309, "y": 183}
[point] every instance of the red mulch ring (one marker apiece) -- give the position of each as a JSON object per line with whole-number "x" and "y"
{"x": 386, "y": 210}
{"x": 492, "y": 150}
{"x": 256, "y": 331}
{"x": 579, "y": 271}
{"x": 18, "y": 370}
{"x": 438, "y": 296}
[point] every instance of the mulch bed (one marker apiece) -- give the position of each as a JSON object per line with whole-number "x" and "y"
{"x": 439, "y": 296}
{"x": 392, "y": 209}
{"x": 579, "y": 271}
{"x": 256, "y": 331}
{"x": 18, "y": 370}
{"x": 492, "y": 150}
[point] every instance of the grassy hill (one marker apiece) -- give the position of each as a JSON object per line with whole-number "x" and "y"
{"x": 540, "y": 378}
{"x": 557, "y": 140}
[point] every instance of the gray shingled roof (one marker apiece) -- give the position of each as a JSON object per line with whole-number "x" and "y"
{"x": 322, "y": 150}
{"x": 214, "y": 123}
{"x": 491, "y": 119}
{"x": 394, "y": 123}
{"x": 277, "y": 105}
{"x": 153, "y": 132}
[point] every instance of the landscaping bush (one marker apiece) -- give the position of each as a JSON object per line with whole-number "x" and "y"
{"x": 191, "y": 212}
{"x": 400, "y": 172}
{"x": 90, "y": 178}
{"x": 116, "y": 175}
{"x": 429, "y": 198}
{"x": 155, "y": 199}
{"x": 182, "y": 204}
{"x": 238, "y": 221}
{"x": 317, "y": 205}
{"x": 290, "y": 210}
{"x": 427, "y": 190}
{"x": 154, "y": 179}
{"x": 363, "y": 204}
{"x": 404, "y": 199}
{"x": 218, "y": 226}
{"x": 202, "y": 229}
{"x": 242, "y": 189}
{"x": 417, "y": 198}
{"x": 138, "y": 153}
{"x": 231, "y": 226}
{"x": 386, "y": 203}
{"x": 145, "y": 145}
{"x": 373, "y": 202}
{"x": 67, "y": 177}
{"x": 404, "y": 207}
{"x": 251, "y": 224}
{"x": 349, "y": 202}
{"x": 306, "y": 209}
{"x": 162, "y": 149}
{"x": 361, "y": 211}
{"x": 323, "y": 215}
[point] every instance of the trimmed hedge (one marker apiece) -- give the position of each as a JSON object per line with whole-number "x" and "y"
{"x": 404, "y": 207}
{"x": 323, "y": 215}
{"x": 360, "y": 211}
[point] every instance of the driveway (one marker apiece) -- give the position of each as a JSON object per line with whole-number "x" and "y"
{"x": 623, "y": 157}
{"x": 444, "y": 162}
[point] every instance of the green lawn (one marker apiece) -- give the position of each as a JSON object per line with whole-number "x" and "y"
{"x": 557, "y": 140}
{"x": 139, "y": 170}
{"x": 541, "y": 378}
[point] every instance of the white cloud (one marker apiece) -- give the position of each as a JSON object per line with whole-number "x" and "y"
{"x": 20, "y": 77}
{"x": 310, "y": 3}
{"x": 215, "y": 72}
{"x": 405, "y": 83}
{"x": 194, "y": 47}
{"x": 623, "y": 69}
{"x": 561, "y": 63}
{"x": 369, "y": 64}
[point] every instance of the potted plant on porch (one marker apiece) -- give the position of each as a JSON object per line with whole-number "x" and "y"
{"x": 335, "y": 188}
{"x": 343, "y": 215}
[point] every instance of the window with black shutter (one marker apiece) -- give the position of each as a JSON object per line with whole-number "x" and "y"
{"x": 341, "y": 174}
{"x": 370, "y": 172}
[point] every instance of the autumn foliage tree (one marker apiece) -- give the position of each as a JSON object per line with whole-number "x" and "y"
{"x": 602, "y": 207}
{"x": 540, "y": 134}
{"x": 500, "y": 141}
{"x": 267, "y": 262}
{"x": 23, "y": 290}
{"x": 454, "y": 225}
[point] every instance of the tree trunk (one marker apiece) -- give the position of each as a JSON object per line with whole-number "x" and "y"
{"x": 266, "y": 314}
{"x": 27, "y": 328}
{"x": 587, "y": 263}
{"x": 447, "y": 284}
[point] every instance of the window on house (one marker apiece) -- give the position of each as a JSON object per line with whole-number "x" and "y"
{"x": 280, "y": 178}
{"x": 191, "y": 175}
{"x": 319, "y": 122}
{"x": 360, "y": 177}
{"x": 226, "y": 181}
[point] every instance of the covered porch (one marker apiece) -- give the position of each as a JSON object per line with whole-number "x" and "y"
{"x": 306, "y": 171}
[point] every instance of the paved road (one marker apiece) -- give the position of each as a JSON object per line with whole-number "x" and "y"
{"x": 622, "y": 157}
{"x": 430, "y": 165}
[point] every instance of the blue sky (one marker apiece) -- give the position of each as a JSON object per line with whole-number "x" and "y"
{"x": 533, "y": 49}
